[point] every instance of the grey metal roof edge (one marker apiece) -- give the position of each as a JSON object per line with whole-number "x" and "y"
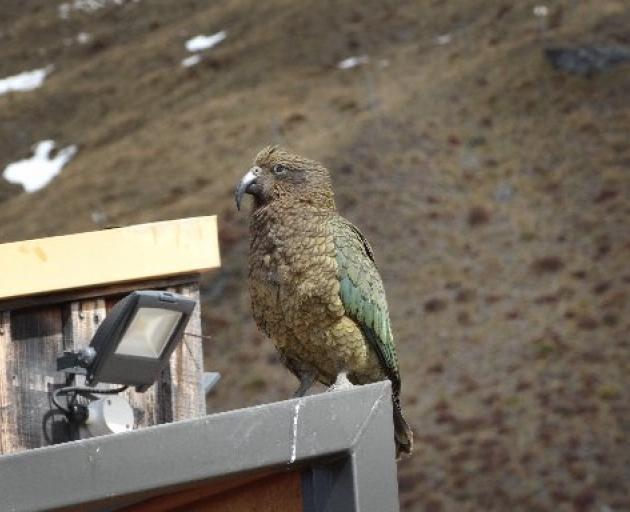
{"x": 365, "y": 480}
{"x": 278, "y": 435}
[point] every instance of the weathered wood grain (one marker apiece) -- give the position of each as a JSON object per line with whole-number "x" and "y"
{"x": 31, "y": 339}
{"x": 29, "y": 366}
{"x": 186, "y": 366}
{"x": 8, "y": 410}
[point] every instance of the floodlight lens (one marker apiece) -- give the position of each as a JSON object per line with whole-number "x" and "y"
{"x": 149, "y": 332}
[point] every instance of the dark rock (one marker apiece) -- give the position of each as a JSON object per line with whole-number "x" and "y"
{"x": 547, "y": 265}
{"x": 434, "y": 305}
{"x": 587, "y": 60}
{"x": 477, "y": 216}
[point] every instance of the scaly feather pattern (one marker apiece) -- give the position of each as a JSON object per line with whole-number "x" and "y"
{"x": 363, "y": 297}
{"x": 314, "y": 287}
{"x": 362, "y": 293}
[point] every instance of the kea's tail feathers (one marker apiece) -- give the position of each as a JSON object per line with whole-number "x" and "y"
{"x": 403, "y": 434}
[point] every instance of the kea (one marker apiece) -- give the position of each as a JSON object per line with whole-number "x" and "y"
{"x": 315, "y": 290}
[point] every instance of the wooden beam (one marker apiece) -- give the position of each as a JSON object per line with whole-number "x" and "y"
{"x": 47, "y": 299}
{"x": 107, "y": 257}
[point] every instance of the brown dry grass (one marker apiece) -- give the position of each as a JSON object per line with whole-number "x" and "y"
{"x": 494, "y": 190}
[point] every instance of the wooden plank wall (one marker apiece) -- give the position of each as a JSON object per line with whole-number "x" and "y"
{"x": 278, "y": 492}
{"x": 31, "y": 345}
{"x": 32, "y": 338}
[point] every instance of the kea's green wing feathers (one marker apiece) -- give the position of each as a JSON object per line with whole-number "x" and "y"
{"x": 363, "y": 296}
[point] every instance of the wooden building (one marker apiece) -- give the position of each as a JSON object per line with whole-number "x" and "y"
{"x": 330, "y": 452}
{"x": 54, "y": 292}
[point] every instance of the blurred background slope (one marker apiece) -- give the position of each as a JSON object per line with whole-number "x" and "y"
{"x": 494, "y": 188}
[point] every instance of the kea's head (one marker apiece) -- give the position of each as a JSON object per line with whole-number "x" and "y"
{"x": 281, "y": 176}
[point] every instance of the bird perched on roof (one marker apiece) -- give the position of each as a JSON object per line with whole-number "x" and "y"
{"x": 314, "y": 287}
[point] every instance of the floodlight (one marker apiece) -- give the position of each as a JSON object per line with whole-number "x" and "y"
{"x": 130, "y": 347}
{"x": 137, "y": 338}
{"x": 134, "y": 341}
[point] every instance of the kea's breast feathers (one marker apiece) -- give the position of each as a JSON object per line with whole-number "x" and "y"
{"x": 293, "y": 275}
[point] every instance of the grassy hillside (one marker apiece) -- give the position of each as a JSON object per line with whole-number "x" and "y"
{"x": 494, "y": 189}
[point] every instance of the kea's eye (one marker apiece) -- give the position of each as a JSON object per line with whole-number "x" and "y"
{"x": 279, "y": 169}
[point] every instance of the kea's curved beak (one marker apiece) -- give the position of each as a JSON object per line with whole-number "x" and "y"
{"x": 246, "y": 186}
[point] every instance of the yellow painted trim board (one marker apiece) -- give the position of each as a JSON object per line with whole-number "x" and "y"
{"x": 97, "y": 258}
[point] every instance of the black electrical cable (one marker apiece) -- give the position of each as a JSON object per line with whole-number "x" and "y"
{"x": 54, "y": 397}
{"x": 82, "y": 390}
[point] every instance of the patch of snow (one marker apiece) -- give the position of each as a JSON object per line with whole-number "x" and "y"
{"x": 80, "y": 38}
{"x": 541, "y": 11}
{"x": 193, "y": 60}
{"x": 202, "y": 42}
{"x": 64, "y": 10}
{"x": 37, "y": 171}
{"x": 352, "y": 62}
{"x": 443, "y": 39}
{"x": 84, "y": 37}
{"x": 26, "y": 81}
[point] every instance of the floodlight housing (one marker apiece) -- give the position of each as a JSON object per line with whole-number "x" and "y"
{"x": 137, "y": 338}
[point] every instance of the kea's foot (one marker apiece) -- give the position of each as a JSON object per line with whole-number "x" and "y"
{"x": 306, "y": 381}
{"x": 342, "y": 383}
